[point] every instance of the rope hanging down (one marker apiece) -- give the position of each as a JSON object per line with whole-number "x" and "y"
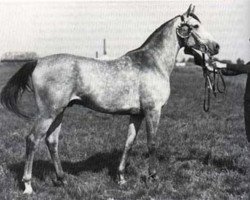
{"x": 213, "y": 83}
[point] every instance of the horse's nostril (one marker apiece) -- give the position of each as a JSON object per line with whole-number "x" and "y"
{"x": 217, "y": 46}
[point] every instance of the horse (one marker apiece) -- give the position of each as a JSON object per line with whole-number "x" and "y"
{"x": 136, "y": 84}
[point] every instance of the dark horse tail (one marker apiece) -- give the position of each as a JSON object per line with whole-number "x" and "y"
{"x": 13, "y": 90}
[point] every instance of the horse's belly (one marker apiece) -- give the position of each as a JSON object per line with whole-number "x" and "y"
{"x": 112, "y": 100}
{"x": 109, "y": 105}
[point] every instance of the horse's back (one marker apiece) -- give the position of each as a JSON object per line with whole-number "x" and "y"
{"x": 59, "y": 68}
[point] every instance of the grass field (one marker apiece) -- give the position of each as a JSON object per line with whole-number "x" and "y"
{"x": 201, "y": 155}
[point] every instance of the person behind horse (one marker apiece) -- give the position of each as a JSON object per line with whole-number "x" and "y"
{"x": 229, "y": 69}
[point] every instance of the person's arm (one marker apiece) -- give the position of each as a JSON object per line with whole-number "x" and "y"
{"x": 228, "y": 69}
{"x": 228, "y": 72}
{"x": 232, "y": 69}
{"x": 240, "y": 68}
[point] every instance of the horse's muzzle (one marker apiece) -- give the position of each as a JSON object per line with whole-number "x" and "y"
{"x": 213, "y": 48}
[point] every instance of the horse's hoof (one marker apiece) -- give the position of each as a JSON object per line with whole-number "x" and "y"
{"x": 153, "y": 177}
{"x": 28, "y": 189}
{"x": 64, "y": 182}
{"x": 121, "y": 179}
{"x": 122, "y": 182}
{"x": 60, "y": 182}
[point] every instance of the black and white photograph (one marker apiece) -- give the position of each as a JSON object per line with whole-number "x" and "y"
{"x": 125, "y": 100}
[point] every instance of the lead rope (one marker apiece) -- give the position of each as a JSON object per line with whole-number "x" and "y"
{"x": 221, "y": 79}
{"x": 206, "y": 102}
{"x": 211, "y": 85}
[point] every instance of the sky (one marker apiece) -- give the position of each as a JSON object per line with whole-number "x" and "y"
{"x": 78, "y": 27}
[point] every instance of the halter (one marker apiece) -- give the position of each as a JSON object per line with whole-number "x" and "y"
{"x": 179, "y": 29}
{"x": 213, "y": 83}
{"x": 187, "y": 33}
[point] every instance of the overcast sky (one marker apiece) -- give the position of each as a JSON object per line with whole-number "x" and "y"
{"x": 79, "y": 27}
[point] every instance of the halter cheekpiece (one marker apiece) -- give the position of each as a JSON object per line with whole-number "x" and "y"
{"x": 181, "y": 32}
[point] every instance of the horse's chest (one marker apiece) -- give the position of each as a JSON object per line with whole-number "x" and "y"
{"x": 154, "y": 92}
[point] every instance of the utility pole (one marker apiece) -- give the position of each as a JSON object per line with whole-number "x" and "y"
{"x": 104, "y": 47}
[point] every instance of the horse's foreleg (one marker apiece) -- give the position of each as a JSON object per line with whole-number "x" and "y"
{"x": 134, "y": 125}
{"x": 52, "y": 143}
{"x": 152, "y": 122}
{"x": 37, "y": 133}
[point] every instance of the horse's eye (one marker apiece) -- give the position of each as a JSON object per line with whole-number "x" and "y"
{"x": 196, "y": 26}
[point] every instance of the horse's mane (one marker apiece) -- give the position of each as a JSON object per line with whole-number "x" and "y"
{"x": 156, "y": 32}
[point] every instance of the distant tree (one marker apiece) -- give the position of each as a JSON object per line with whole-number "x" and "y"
{"x": 19, "y": 56}
{"x": 239, "y": 61}
{"x": 227, "y": 61}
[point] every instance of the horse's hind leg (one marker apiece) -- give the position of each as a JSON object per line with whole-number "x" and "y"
{"x": 38, "y": 132}
{"x": 134, "y": 125}
{"x": 52, "y": 143}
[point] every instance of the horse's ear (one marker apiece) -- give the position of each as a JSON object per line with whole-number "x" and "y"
{"x": 193, "y": 10}
{"x": 189, "y": 10}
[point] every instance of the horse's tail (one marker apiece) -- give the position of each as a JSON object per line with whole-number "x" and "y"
{"x": 13, "y": 90}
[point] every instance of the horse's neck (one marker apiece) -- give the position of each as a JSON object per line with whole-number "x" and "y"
{"x": 163, "y": 46}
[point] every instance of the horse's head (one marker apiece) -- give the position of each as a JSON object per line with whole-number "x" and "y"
{"x": 191, "y": 34}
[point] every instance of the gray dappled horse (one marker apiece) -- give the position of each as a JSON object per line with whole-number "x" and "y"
{"x": 136, "y": 84}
